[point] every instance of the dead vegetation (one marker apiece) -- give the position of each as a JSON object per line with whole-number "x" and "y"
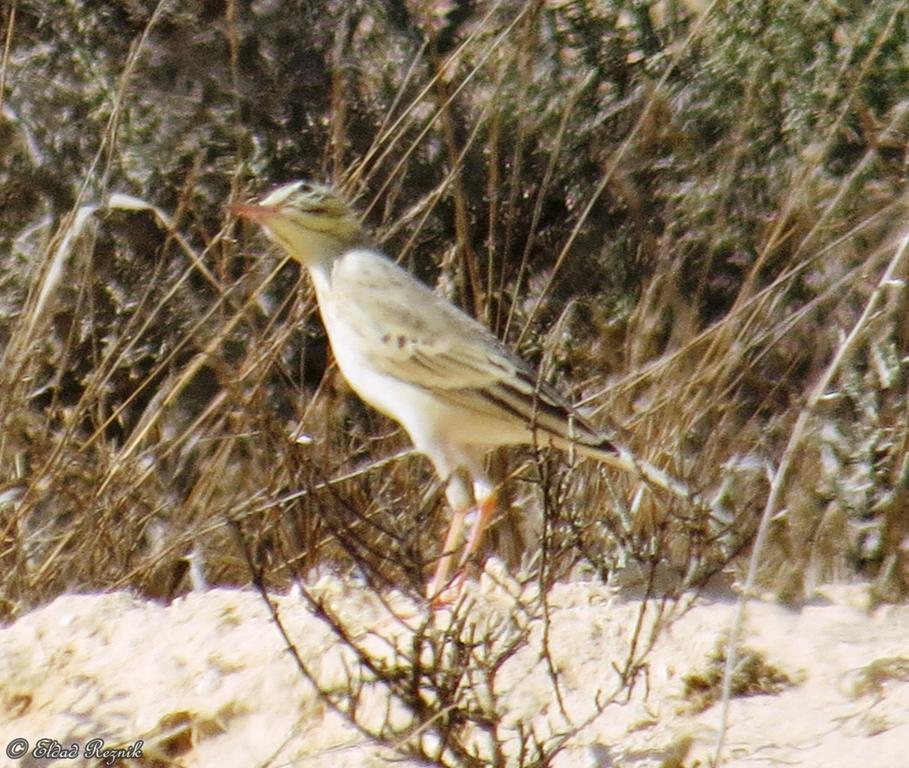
{"x": 753, "y": 676}
{"x": 679, "y": 211}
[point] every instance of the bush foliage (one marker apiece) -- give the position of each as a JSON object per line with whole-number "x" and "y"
{"x": 680, "y": 211}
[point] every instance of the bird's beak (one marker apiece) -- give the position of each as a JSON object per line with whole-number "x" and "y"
{"x": 257, "y": 213}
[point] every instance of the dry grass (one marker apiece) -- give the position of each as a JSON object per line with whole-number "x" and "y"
{"x": 678, "y": 214}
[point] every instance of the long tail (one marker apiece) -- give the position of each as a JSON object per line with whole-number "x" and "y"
{"x": 621, "y": 458}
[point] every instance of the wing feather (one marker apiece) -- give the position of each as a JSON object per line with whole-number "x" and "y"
{"x": 413, "y": 335}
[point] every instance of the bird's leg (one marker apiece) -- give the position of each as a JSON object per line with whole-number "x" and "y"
{"x": 443, "y": 569}
{"x": 485, "y": 496}
{"x": 459, "y": 500}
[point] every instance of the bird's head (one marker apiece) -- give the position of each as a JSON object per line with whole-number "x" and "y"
{"x": 310, "y": 221}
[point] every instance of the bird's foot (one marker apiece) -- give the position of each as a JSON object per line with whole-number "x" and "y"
{"x": 446, "y": 595}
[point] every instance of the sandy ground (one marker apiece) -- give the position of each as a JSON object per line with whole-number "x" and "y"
{"x": 208, "y": 680}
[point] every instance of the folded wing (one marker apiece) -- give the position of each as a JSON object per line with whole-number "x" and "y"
{"x": 417, "y": 337}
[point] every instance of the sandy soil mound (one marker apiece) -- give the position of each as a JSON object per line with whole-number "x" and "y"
{"x": 208, "y": 680}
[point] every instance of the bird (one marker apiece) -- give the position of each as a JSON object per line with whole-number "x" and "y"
{"x": 451, "y": 384}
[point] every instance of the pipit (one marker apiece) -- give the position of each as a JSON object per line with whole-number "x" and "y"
{"x": 454, "y": 387}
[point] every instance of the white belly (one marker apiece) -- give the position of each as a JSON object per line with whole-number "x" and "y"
{"x": 412, "y": 407}
{"x": 446, "y": 432}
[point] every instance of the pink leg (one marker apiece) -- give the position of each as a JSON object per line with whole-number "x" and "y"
{"x": 443, "y": 569}
{"x": 485, "y": 507}
{"x": 458, "y": 494}
{"x": 441, "y": 589}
